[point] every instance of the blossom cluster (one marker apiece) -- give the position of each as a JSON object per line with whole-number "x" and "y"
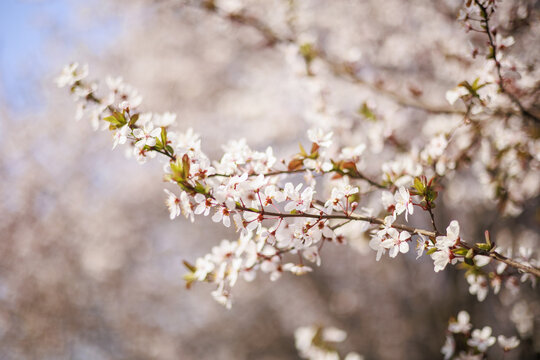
{"x": 276, "y": 218}
{"x": 462, "y": 342}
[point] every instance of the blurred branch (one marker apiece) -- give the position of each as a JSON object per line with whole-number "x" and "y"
{"x": 340, "y": 68}
{"x": 493, "y": 46}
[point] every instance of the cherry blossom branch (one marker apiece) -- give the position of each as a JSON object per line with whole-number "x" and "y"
{"x": 356, "y": 217}
{"x": 240, "y": 186}
{"x": 493, "y": 48}
{"x": 374, "y": 220}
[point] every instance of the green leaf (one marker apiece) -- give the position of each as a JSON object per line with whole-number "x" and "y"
{"x": 309, "y": 52}
{"x": 186, "y": 164}
{"x": 117, "y": 120}
{"x": 177, "y": 170}
{"x": 133, "y": 119}
{"x": 418, "y": 185}
{"x": 159, "y": 144}
{"x": 189, "y": 279}
{"x": 482, "y": 246}
{"x": 314, "y": 151}
{"x": 200, "y": 188}
{"x": 460, "y": 251}
{"x": 302, "y": 151}
{"x": 164, "y": 136}
{"x": 488, "y": 239}
{"x": 366, "y": 112}
{"x": 190, "y": 267}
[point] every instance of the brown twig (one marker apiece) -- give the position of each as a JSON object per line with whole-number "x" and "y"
{"x": 357, "y": 175}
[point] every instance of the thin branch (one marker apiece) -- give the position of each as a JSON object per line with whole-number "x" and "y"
{"x": 432, "y": 216}
{"x": 374, "y": 220}
{"x": 497, "y": 256}
{"x": 358, "y": 175}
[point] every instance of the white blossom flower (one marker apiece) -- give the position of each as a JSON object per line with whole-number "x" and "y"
{"x": 114, "y": 83}
{"x": 253, "y": 220}
{"x": 449, "y": 347}
{"x": 481, "y": 260}
{"x": 205, "y": 204}
{"x": 188, "y": 142}
{"x": 186, "y": 206}
{"x": 333, "y": 334}
{"x": 508, "y": 343}
{"x": 435, "y": 148}
{"x": 340, "y": 193}
{"x": 297, "y": 269}
{"x": 403, "y": 202}
{"x": 120, "y": 137}
{"x": 478, "y": 286}
{"x": 222, "y": 214}
{"x": 376, "y": 243}
{"x": 462, "y": 324}
{"x": 481, "y": 339}
{"x": 388, "y": 221}
{"x": 312, "y": 254}
{"x": 496, "y": 283}
{"x": 452, "y": 235}
{"x": 420, "y": 245}
{"x": 141, "y": 154}
{"x": 173, "y": 204}
{"x": 504, "y": 42}
{"x": 523, "y": 317}
{"x": 352, "y": 153}
{"x": 353, "y": 356}
{"x": 387, "y": 199}
{"x": 304, "y": 338}
{"x": 222, "y": 296}
{"x": 319, "y": 137}
{"x": 468, "y": 356}
{"x": 146, "y": 136}
{"x": 441, "y": 258}
{"x": 300, "y": 202}
{"x": 71, "y": 74}
{"x": 453, "y": 95}
{"x": 397, "y": 242}
{"x": 124, "y": 105}
{"x": 203, "y": 266}
{"x": 443, "y": 255}
{"x": 164, "y": 120}
{"x": 271, "y": 194}
{"x": 230, "y": 6}
{"x": 272, "y": 266}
